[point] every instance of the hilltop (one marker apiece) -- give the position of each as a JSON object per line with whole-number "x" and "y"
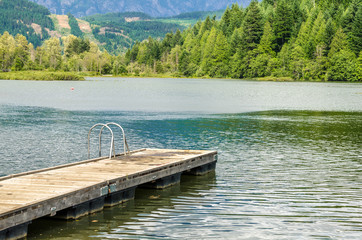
{"x": 155, "y": 8}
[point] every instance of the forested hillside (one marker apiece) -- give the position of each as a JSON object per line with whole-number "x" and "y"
{"x": 114, "y": 32}
{"x": 307, "y": 40}
{"x": 301, "y": 39}
{"x": 26, "y": 18}
{"x": 155, "y": 8}
{"x": 119, "y": 31}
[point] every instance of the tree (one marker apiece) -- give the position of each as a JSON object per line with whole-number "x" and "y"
{"x": 220, "y": 58}
{"x": 236, "y": 19}
{"x": 205, "y": 26}
{"x": 225, "y": 22}
{"x": 21, "y": 52}
{"x": 298, "y": 62}
{"x": 235, "y": 42}
{"x": 359, "y": 67}
{"x": 329, "y": 33}
{"x": 356, "y": 32}
{"x": 252, "y": 27}
{"x": 267, "y": 40}
{"x": 207, "y": 56}
{"x": 184, "y": 61}
{"x": 7, "y": 50}
{"x": 283, "y": 23}
{"x": 341, "y": 59}
{"x": 338, "y": 43}
{"x": 52, "y": 52}
{"x": 342, "y": 67}
{"x": 349, "y": 16}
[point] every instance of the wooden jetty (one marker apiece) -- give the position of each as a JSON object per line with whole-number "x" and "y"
{"x": 74, "y": 190}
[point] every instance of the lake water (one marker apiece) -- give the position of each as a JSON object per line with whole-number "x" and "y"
{"x": 290, "y": 154}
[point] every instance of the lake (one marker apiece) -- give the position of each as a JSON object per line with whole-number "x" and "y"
{"x": 290, "y": 154}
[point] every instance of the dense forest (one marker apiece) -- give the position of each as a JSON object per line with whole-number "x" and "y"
{"x": 301, "y": 39}
{"x": 307, "y": 40}
{"x": 16, "y": 16}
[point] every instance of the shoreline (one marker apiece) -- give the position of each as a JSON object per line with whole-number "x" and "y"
{"x": 41, "y": 76}
{"x": 37, "y": 75}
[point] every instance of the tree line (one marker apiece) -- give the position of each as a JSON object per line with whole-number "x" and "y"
{"x": 307, "y": 40}
{"x": 301, "y": 39}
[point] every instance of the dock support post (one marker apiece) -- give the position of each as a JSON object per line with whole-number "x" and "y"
{"x": 202, "y": 170}
{"x": 163, "y": 182}
{"x": 81, "y": 210}
{"x": 74, "y": 212}
{"x": 16, "y": 232}
{"x": 118, "y": 197}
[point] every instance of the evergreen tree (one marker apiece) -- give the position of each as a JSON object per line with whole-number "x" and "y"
{"x": 283, "y": 23}
{"x": 356, "y": 32}
{"x": 252, "y": 27}
{"x": 208, "y": 55}
{"x": 220, "y": 58}
{"x": 226, "y": 22}
{"x": 184, "y": 64}
{"x": 338, "y": 43}
{"x": 342, "y": 60}
{"x": 267, "y": 40}
{"x": 205, "y": 26}
{"x": 359, "y": 67}
{"x": 235, "y": 42}
{"x": 237, "y": 16}
{"x": 349, "y": 16}
{"x": 329, "y": 33}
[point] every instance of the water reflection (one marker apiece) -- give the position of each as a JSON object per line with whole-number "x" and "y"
{"x": 280, "y": 175}
{"x": 143, "y": 212}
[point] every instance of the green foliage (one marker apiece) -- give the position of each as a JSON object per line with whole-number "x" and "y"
{"x": 16, "y": 17}
{"x": 283, "y": 23}
{"x": 252, "y": 27}
{"x": 342, "y": 67}
{"x": 77, "y": 46}
{"x": 74, "y": 27}
{"x": 356, "y": 31}
{"x": 300, "y": 39}
{"x": 40, "y": 76}
{"x": 277, "y": 38}
{"x": 118, "y": 34}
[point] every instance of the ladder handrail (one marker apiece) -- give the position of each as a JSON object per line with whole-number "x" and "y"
{"x": 125, "y": 144}
{"x": 112, "y": 140}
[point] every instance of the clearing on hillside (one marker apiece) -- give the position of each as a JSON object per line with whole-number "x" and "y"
{"x": 63, "y": 21}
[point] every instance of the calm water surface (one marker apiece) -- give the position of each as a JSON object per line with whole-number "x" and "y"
{"x": 290, "y": 154}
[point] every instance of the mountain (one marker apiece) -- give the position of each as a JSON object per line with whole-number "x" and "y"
{"x": 26, "y": 18}
{"x": 155, "y": 8}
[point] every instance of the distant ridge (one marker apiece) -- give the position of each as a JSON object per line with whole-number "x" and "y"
{"x": 155, "y": 8}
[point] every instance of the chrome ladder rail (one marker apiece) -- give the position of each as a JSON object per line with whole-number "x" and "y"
{"x": 125, "y": 144}
{"x": 112, "y": 140}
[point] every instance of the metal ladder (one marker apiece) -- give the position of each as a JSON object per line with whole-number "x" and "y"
{"x": 112, "y": 148}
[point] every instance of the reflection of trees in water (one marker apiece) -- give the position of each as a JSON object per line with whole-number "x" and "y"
{"x": 146, "y": 201}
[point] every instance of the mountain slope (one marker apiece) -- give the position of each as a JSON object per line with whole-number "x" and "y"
{"x": 26, "y": 18}
{"x": 156, "y": 8}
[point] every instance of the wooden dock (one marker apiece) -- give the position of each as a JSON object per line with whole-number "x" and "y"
{"x": 74, "y": 190}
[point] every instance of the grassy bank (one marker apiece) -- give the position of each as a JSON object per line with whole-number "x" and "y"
{"x": 41, "y": 76}
{"x": 275, "y": 79}
{"x": 175, "y": 75}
